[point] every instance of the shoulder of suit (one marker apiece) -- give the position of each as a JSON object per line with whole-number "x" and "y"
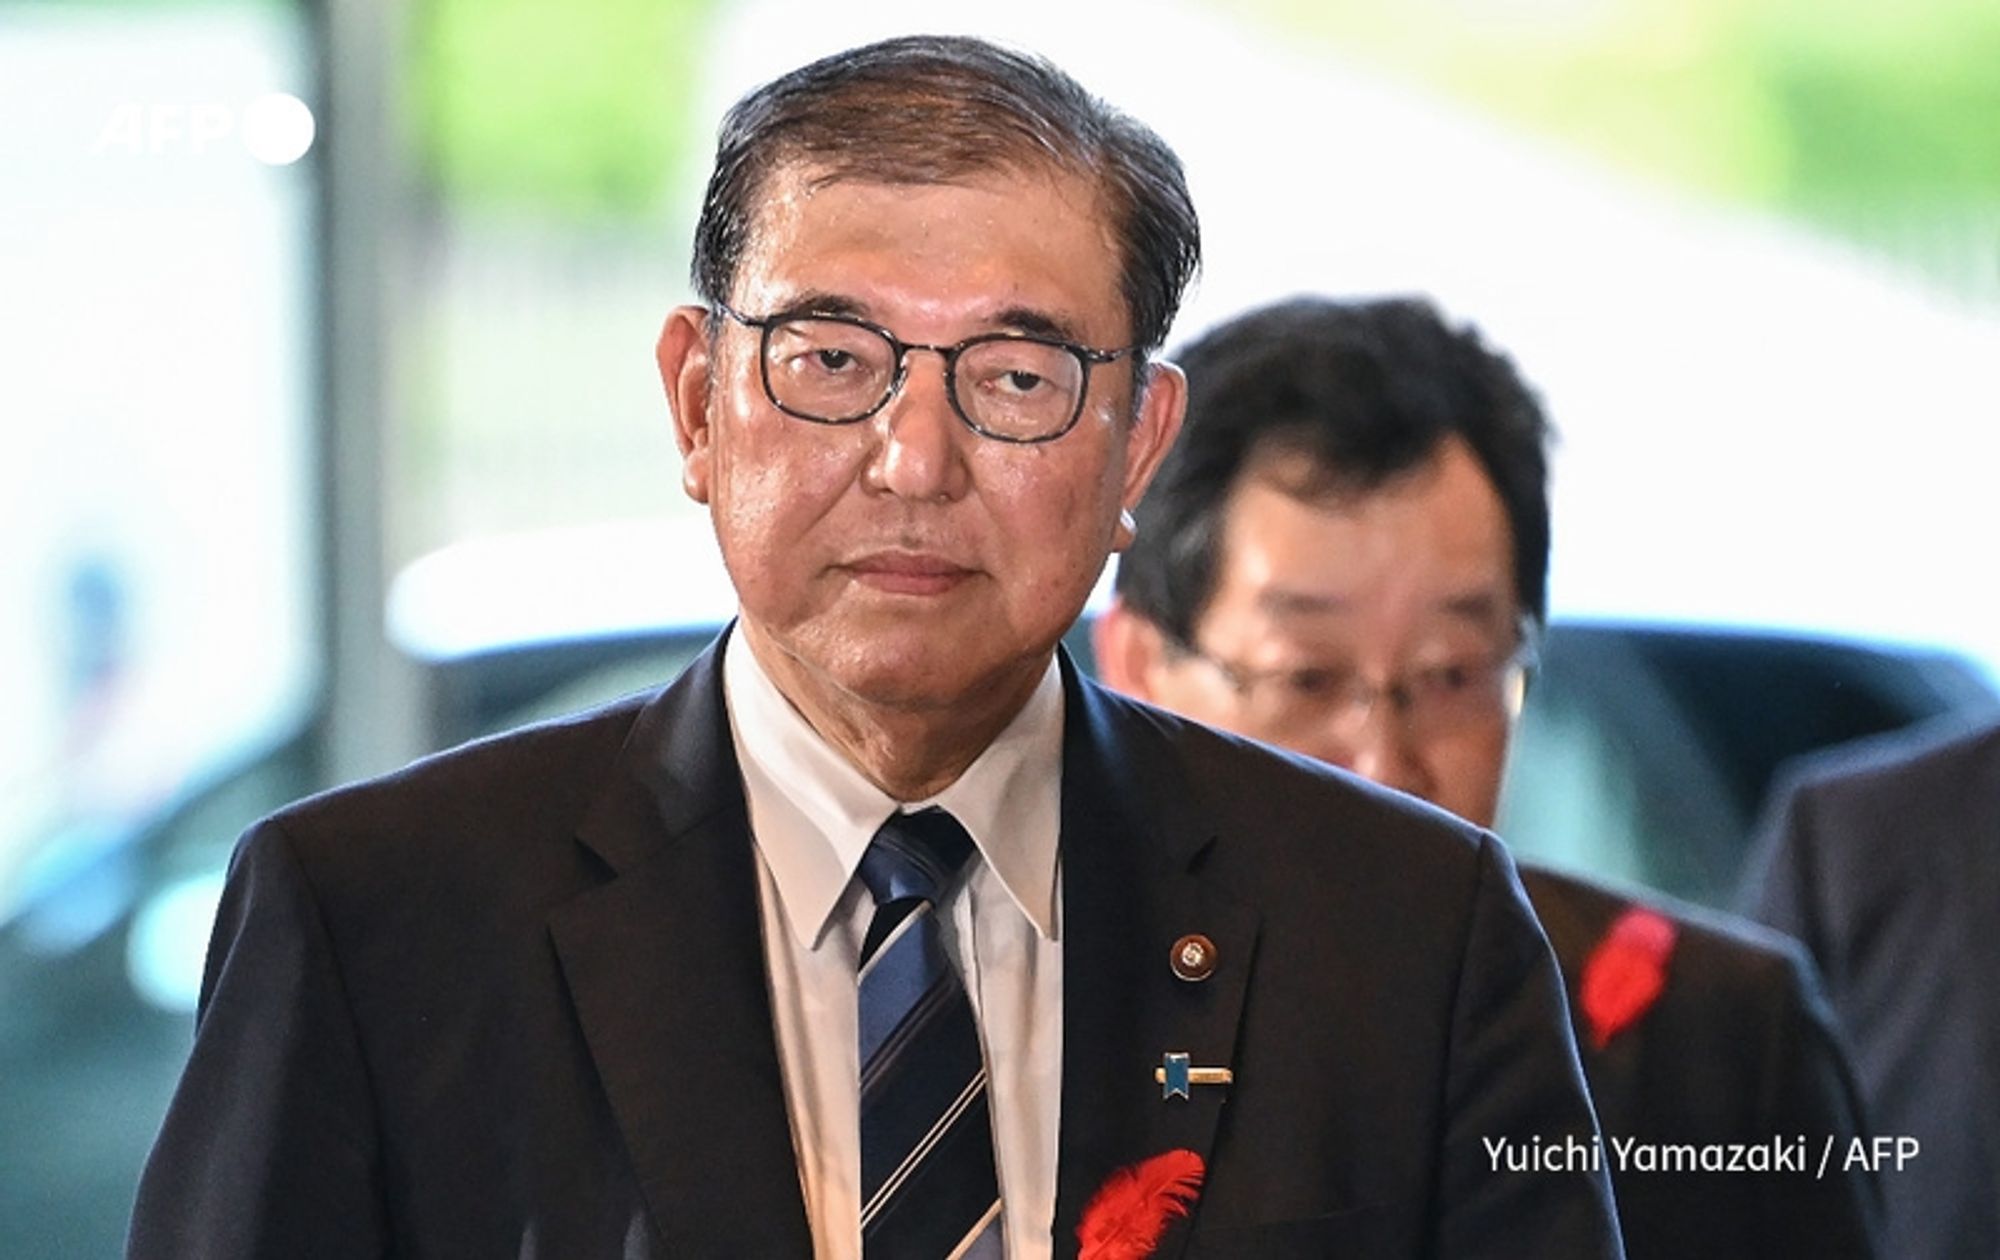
{"x": 546, "y": 767}
{"x": 1914, "y": 761}
{"x": 1718, "y": 945}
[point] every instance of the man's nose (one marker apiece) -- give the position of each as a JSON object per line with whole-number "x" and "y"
{"x": 921, "y": 455}
{"x": 1376, "y": 745}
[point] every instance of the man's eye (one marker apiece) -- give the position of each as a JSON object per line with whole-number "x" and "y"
{"x": 1454, "y": 678}
{"x": 832, "y": 360}
{"x": 1315, "y": 683}
{"x": 1009, "y": 383}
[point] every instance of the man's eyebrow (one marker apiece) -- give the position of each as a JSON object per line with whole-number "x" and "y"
{"x": 818, "y": 302}
{"x": 1278, "y": 599}
{"x": 1038, "y": 324}
{"x": 1480, "y": 607}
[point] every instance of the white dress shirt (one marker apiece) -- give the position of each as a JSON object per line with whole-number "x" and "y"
{"x": 812, "y": 815}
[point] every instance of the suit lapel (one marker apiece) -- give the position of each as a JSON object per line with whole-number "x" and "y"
{"x": 665, "y": 966}
{"x": 1131, "y": 849}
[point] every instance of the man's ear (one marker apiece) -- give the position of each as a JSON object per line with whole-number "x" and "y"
{"x": 1128, "y": 649}
{"x": 685, "y": 373}
{"x": 1154, "y": 426}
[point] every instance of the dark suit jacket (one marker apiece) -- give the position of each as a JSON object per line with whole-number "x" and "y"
{"x": 512, "y": 1001}
{"x": 1884, "y": 858}
{"x": 1738, "y": 1047}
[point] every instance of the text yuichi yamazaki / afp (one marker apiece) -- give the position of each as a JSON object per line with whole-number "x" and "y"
{"x": 1797, "y": 1154}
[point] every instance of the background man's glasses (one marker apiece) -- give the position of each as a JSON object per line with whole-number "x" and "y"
{"x": 1453, "y": 695}
{"x": 834, "y": 369}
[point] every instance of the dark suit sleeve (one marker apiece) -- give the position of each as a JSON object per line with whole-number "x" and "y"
{"x": 1514, "y": 1077}
{"x": 1813, "y": 1096}
{"x": 269, "y": 1147}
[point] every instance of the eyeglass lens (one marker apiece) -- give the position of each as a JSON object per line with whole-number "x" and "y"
{"x": 835, "y": 371}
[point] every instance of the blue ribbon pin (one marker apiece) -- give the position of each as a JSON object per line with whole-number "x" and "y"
{"x": 1174, "y": 1075}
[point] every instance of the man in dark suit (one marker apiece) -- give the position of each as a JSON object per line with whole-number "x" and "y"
{"x": 1884, "y": 858}
{"x": 1346, "y": 555}
{"x": 615, "y": 985}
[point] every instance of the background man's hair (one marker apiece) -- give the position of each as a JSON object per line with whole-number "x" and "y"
{"x": 1366, "y": 391}
{"x": 932, "y": 109}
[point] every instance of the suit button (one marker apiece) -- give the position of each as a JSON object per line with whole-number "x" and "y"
{"x": 1193, "y": 957}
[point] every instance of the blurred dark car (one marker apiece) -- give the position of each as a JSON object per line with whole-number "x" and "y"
{"x": 1644, "y": 756}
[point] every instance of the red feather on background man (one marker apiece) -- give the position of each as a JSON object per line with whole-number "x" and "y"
{"x": 1626, "y": 973}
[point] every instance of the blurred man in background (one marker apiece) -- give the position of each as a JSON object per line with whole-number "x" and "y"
{"x": 1346, "y": 555}
{"x": 1884, "y": 858}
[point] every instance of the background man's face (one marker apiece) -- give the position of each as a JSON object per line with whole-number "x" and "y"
{"x": 904, "y": 560}
{"x": 1411, "y": 581}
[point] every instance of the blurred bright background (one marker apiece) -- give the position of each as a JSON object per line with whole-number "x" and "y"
{"x": 299, "y": 401}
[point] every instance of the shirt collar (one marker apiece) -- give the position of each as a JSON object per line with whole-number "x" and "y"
{"x": 812, "y": 813}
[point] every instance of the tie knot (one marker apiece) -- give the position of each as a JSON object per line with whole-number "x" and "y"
{"x": 914, "y": 855}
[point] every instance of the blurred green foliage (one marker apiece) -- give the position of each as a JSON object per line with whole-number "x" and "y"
{"x": 577, "y": 107}
{"x": 1903, "y": 100}
{"x": 1811, "y": 107}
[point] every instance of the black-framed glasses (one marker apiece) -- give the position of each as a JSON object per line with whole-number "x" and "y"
{"x": 836, "y": 369}
{"x": 1451, "y": 694}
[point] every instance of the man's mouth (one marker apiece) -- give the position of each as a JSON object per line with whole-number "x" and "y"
{"x": 898, "y": 572}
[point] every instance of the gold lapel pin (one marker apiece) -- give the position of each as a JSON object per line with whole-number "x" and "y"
{"x": 1175, "y": 1075}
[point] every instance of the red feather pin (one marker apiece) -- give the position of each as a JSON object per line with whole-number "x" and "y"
{"x": 1130, "y": 1212}
{"x": 1625, "y": 973}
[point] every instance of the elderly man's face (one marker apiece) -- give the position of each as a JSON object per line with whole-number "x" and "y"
{"x": 1375, "y": 634}
{"x": 904, "y": 561}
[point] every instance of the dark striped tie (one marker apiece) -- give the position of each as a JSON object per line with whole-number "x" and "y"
{"x": 928, "y": 1189}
